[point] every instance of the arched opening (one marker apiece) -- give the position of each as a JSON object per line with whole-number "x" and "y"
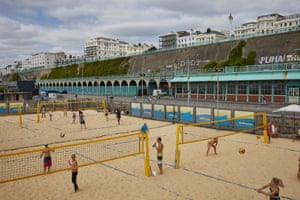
{"x": 152, "y": 86}
{"x": 164, "y": 86}
{"x": 142, "y": 89}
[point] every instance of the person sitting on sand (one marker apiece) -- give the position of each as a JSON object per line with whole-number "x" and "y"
{"x": 212, "y": 143}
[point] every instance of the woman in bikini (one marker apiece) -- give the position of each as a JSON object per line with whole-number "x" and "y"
{"x": 273, "y": 187}
{"x": 212, "y": 143}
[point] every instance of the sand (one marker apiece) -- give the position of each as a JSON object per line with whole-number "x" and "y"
{"x": 227, "y": 175}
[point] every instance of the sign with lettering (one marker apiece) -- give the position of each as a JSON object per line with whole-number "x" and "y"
{"x": 279, "y": 59}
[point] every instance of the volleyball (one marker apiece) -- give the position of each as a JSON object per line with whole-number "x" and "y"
{"x": 242, "y": 150}
{"x": 62, "y": 134}
{"x": 258, "y": 137}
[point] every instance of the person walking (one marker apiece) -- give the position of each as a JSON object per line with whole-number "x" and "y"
{"x": 81, "y": 120}
{"x": 65, "y": 111}
{"x": 50, "y": 115}
{"x": 144, "y": 129}
{"x": 118, "y": 115}
{"x": 43, "y": 111}
{"x": 74, "y": 168}
{"x": 73, "y": 117}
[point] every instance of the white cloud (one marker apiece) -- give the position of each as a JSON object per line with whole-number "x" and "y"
{"x": 31, "y": 26}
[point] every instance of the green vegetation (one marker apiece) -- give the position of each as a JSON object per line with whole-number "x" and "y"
{"x": 100, "y": 68}
{"x": 105, "y": 68}
{"x": 62, "y": 72}
{"x": 235, "y": 58}
{"x": 156, "y": 71}
{"x": 15, "y": 77}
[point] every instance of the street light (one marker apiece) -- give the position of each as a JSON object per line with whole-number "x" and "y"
{"x": 230, "y": 18}
{"x": 218, "y": 70}
{"x": 142, "y": 75}
{"x": 82, "y": 66}
{"x": 188, "y": 80}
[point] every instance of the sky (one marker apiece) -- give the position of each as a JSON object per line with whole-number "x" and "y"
{"x": 32, "y": 26}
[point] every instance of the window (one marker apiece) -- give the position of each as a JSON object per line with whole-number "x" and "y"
{"x": 253, "y": 88}
{"x": 242, "y": 88}
{"x": 179, "y": 88}
{"x": 231, "y": 88}
{"x": 193, "y": 88}
{"x": 266, "y": 88}
{"x": 202, "y": 88}
{"x": 210, "y": 88}
{"x": 279, "y": 89}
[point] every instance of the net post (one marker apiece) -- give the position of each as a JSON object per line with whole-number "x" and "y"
{"x": 147, "y": 159}
{"x": 104, "y": 108}
{"x": 20, "y": 115}
{"x": 177, "y": 151}
{"x": 38, "y": 112}
{"x": 266, "y": 139}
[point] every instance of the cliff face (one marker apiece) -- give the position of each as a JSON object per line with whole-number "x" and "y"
{"x": 268, "y": 50}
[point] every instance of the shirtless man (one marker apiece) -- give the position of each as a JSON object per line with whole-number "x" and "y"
{"x": 47, "y": 158}
{"x": 212, "y": 143}
{"x": 159, "y": 146}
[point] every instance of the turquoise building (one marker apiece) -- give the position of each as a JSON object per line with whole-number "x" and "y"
{"x": 270, "y": 83}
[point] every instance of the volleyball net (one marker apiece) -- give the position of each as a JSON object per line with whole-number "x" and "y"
{"x": 190, "y": 133}
{"x": 71, "y": 105}
{"x": 26, "y": 164}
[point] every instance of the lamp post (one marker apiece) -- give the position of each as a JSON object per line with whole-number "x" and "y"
{"x": 82, "y": 81}
{"x": 142, "y": 82}
{"x": 188, "y": 80}
{"x": 218, "y": 70}
{"x": 230, "y": 18}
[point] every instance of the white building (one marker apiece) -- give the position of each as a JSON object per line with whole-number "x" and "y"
{"x": 190, "y": 38}
{"x": 187, "y": 38}
{"x": 210, "y": 36}
{"x": 40, "y": 61}
{"x": 138, "y": 48}
{"x": 265, "y": 23}
{"x": 99, "y": 48}
{"x": 287, "y": 23}
{"x": 247, "y": 29}
{"x": 3, "y": 71}
{"x": 269, "y": 24}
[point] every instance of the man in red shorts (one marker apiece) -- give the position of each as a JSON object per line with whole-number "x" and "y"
{"x": 47, "y": 158}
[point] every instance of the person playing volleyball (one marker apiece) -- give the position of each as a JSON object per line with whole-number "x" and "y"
{"x": 273, "y": 187}
{"x": 159, "y": 146}
{"x": 212, "y": 143}
{"x": 74, "y": 167}
{"x": 47, "y": 158}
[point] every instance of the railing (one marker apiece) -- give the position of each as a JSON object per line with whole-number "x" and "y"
{"x": 247, "y": 68}
{"x": 78, "y": 61}
{"x": 148, "y": 76}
